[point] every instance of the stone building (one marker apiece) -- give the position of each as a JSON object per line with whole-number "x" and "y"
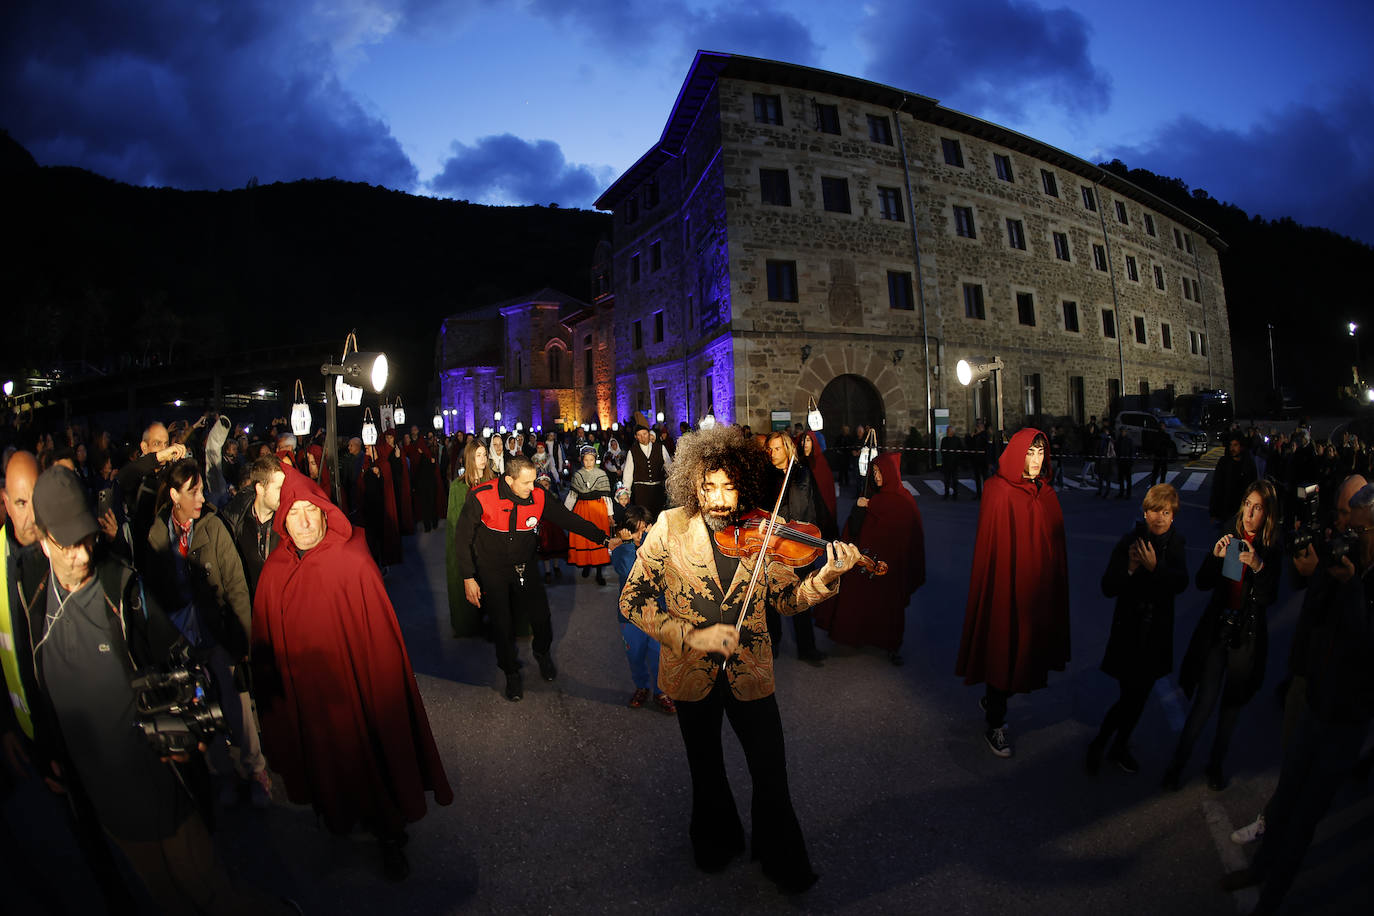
{"x": 798, "y": 234}
{"x": 543, "y": 361}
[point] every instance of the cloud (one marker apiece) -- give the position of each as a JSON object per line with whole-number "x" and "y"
{"x": 651, "y": 31}
{"x": 994, "y": 58}
{"x": 506, "y": 169}
{"x": 202, "y": 94}
{"x": 1314, "y": 163}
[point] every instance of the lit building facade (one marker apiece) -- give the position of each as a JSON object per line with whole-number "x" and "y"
{"x": 797, "y": 234}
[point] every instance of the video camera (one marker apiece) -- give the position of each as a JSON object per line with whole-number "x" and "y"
{"x": 1311, "y": 533}
{"x": 178, "y": 708}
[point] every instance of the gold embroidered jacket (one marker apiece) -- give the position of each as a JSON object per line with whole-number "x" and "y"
{"x": 677, "y": 561}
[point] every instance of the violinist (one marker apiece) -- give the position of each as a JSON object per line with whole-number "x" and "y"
{"x": 715, "y": 656}
{"x": 801, "y": 503}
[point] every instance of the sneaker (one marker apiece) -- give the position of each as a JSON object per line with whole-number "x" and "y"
{"x": 640, "y": 697}
{"x": 260, "y": 788}
{"x": 515, "y": 688}
{"x": 1121, "y": 756}
{"x": 665, "y": 704}
{"x": 547, "y": 670}
{"x": 998, "y": 741}
{"x": 1249, "y": 833}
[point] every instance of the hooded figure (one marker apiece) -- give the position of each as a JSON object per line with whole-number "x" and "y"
{"x": 393, "y": 456}
{"x": 1016, "y": 623}
{"x": 342, "y": 717}
{"x": 872, "y": 611}
{"x": 825, "y": 483}
{"x": 380, "y": 515}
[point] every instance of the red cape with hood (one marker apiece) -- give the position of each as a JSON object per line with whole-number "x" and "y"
{"x": 872, "y": 611}
{"x": 391, "y": 527}
{"x": 342, "y": 718}
{"x": 318, "y": 452}
{"x": 822, "y": 475}
{"x": 405, "y": 511}
{"x": 421, "y": 447}
{"x": 1016, "y": 624}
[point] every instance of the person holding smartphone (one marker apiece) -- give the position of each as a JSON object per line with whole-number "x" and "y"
{"x": 1226, "y": 655}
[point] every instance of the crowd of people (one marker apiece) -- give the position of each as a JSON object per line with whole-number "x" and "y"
{"x": 240, "y": 552}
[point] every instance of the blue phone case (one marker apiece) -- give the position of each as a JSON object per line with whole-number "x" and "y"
{"x": 1231, "y": 566}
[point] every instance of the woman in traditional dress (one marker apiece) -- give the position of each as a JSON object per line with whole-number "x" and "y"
{"x": 465, "y": 618}
{"x": 591, "y": 489}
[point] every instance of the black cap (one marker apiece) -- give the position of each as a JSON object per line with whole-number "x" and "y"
{"x": 59, "y": 507}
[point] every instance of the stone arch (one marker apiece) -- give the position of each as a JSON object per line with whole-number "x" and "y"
{"x": 824, "y": 368}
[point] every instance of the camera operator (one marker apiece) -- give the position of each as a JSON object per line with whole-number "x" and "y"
{"x": 1335, "y": 638}
{"x": 90, "y": 628}
{"x": 138, "y": 483}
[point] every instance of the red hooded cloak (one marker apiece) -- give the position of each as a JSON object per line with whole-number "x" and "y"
{"x": 405, "y": 511}
{"x": 391, "y": 526}
{"x": 821, "y": 474}
{"x": 318, "y": 452}
{"x": 872, "y": 611}
{"x": 342, "y": 718}
{"x": 1016, "y": 623}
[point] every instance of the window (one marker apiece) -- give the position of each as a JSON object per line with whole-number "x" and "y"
{"x": 1047, "y": 179}
{"x": 1016, "y": 234}
{"x": 899, "y": 290}
{"x": 973, "y": 301}
{"x": 954, "y": 154}
{"x": 1178, "y": 238}
{"x": 638, "y": 330}
{"x": 655, "y": 255}
{"x": 658, "y": 327}
{"x": 651, "y": 194}
{"x": 1187, "y": 289}
{"x": 555, "y": 367}
{"x": 782, "y": 281}
{"x": 1099, "y": 257}
{"x": 1149, "y": 223}
{"x": 890, "y": 204}
{"x": 1030, "y": 386}
{"x": 827, "y": 118}
{"x": 1070, "y": 315}
{"x": 1140, "y": 330}
{"x": 767, "y": 108}
{"x": 1132, "y": 273}
{"x": 775, "y": 187}
{"x": 631, "y": 209}
{"x": 1108, "y": 323}
{"x": 1025, "y": 309}
{"x": 963, "y": 222}
{"x": 1003, "y": 166}
{"x": 879, "y": 130}
{"x": 1159, "y": 277}
{"x": 1121, "y": 214}
{"x": 1077, "y": 401}
{"x": 1166, "y": 335}
{"x": 1061, "y": 246}
{"x": 588, "y": 365}
{"x": 1188, "y": 243}
{"x": 1113, "y": 390}
{"x": 835, "y": 193}
{"x": 634, "y": 268}
{"x": 1089, "y": 199}
{"x": 1197, "y": 343}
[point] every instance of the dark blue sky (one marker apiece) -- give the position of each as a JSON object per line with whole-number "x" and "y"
{"x": 1267, "y": 105}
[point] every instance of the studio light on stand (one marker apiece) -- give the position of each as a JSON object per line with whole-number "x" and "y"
{"x": 350, "y": 375}
{"x": 300, "y": 412}
{"x": 974, "y": 369}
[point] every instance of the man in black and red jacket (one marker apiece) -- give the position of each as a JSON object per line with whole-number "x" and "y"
{"x": 496, "y": 538}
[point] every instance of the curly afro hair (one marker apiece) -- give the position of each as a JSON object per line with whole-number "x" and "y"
{"x": 721, "y": 448}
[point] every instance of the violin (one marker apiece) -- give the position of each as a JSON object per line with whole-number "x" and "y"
{"x": 794, "y": 544}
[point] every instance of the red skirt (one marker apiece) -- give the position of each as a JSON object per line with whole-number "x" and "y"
{"x": 582, "y": 552}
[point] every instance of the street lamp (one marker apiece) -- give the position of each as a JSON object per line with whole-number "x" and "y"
{"x": 350, "y": 375}
{"x": 975, "y": 369}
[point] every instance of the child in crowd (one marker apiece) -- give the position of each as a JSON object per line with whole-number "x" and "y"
{"x": 641, "y": 650}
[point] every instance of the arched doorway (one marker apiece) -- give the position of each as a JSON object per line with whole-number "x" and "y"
{"x": 851, "y": 400}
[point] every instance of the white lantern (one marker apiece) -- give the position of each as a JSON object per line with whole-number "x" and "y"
{"x": 503, "y": 429}
{"x": 399, "y": 413}
{"x": 369, "y": 428}
{"x": 346, "y": 394}
{"x": 519, "y": 426}
{"x": 615, "y": 427}
{"x": 660, "y": 416}
{"x": 300, "y": 412}
{"x": 486, "y": 433}
{"x": 438, "y": 420}
{"x": 866, "y": 456}
{"x": 593, "y": 427}
{"x": 497, "y": 416}
{"x": 708, "y": 421}
{"x": 813, "y": 419}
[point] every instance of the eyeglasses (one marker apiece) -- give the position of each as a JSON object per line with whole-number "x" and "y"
{"x": 87, "y": 543}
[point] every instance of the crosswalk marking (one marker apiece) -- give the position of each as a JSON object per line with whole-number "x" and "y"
{"x": 1194, "y": 481}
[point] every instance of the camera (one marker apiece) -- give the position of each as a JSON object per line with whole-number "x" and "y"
{"x": 1310, "y": 533}
{"x": 177, "y": 708}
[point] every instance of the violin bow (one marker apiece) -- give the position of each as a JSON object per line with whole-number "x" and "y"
{"x": 763, "y": 550}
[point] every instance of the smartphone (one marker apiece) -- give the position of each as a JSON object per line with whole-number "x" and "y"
{"x": 104, "y": 502}
{"x": 1231, "y": 566}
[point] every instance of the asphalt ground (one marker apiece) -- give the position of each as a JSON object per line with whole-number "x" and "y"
{"x": 570, "y": 802}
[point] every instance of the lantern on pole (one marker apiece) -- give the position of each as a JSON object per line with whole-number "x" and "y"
{"x": 398, "y": 413}
{"x": 369, "y": 428}
{"x": 300, "y": 412}
{"x": 438, "y": 420}
{"x": 813, "y": 416}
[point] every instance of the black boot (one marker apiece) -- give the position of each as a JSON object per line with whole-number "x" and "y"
{"x": 515, "y": 687}
{"x": 546, "y": 667}
{"x": 394, "y": 863}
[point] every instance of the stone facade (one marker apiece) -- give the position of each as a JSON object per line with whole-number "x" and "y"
{"x": 701, "y": 221}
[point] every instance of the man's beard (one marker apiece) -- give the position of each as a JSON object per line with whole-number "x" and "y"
{"x": 719, "y": 522}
